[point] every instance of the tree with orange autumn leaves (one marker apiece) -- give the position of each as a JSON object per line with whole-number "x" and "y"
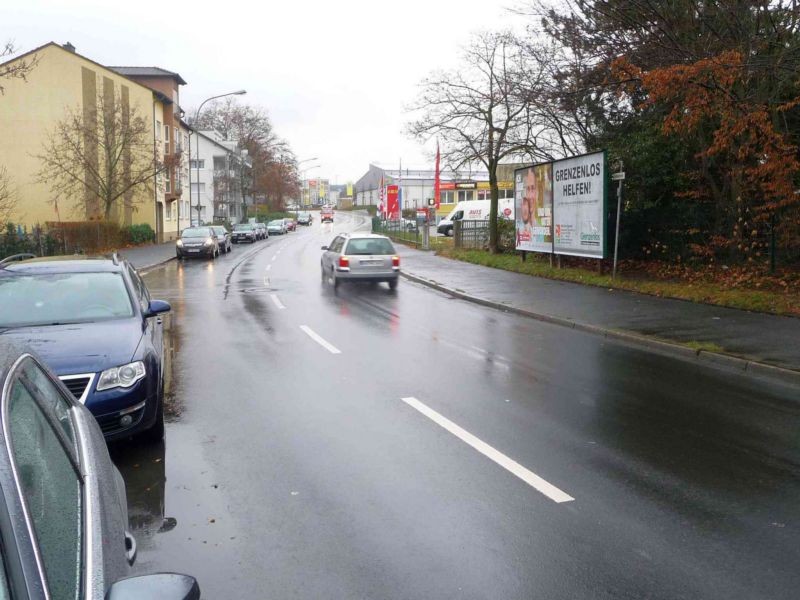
{"x": 701, "y": 100}
{"x": 748, "y": 168}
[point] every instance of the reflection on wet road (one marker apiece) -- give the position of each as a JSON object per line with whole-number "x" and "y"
{"x": 292, "y": 471}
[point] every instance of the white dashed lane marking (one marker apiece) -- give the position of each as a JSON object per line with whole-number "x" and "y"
{"x": 529, "y": 477}
{"x": 320, "y": 340}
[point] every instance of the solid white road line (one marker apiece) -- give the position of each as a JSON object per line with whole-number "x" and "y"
{"x": 322, "y": 342}
{"x": 277, "y": 301}
{"x": 269, "y": 267}
{"x": 529, "y": 477}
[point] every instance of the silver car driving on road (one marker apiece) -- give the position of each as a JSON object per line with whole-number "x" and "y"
{"x": 360, "y": 257}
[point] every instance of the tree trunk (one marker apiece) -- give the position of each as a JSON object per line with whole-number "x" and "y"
{"x": 493, "y": 244}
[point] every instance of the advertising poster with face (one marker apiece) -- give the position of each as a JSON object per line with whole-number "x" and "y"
{"x": 579, "y": 205}
{"x": 533, "y": 205}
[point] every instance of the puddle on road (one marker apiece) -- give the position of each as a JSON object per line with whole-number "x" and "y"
{"x": 143, "y": 464}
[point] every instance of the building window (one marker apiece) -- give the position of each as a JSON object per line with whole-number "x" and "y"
{"x": 198, "y": 188}
{"x": 167, "y": 182}
{"x": 166, "y": 140}
{"x": 197, "y": 164}
{"x": 158, "y": 130}
{"x": 169, "y": 210}
{"x": 465, "y": 195}
{"x": 446, "y": 197}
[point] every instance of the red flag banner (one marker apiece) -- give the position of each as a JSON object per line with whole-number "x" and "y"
{"x": 392, "y": 204}
{"x": 437, "y": 184}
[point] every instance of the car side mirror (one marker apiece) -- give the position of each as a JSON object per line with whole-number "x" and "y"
{"x": 324, "y": 247}
{"x": 157, "y": 307}
{"x": 160, "y": 586}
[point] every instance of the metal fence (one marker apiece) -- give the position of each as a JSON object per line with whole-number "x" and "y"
{"x": 471, "y": 234}
{"x": 399, "y": 230}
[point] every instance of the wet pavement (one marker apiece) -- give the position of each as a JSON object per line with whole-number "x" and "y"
{"x": 297, "y": 465}
{"x": 756, "y": 336}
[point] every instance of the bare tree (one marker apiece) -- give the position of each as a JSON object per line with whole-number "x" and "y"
{"x": 8, "y": 199}
{"x": 482, "y": 112}
{"x": 14, "y": 69}
{"x": 99, "y": 158}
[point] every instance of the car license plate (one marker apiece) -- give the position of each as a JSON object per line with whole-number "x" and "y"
{"x": 191, "y": 250}
{"x": 371, "y": 262}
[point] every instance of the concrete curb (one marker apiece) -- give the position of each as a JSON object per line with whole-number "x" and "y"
{"x": 752, "y": 367}
{"x": 146, "y": 269}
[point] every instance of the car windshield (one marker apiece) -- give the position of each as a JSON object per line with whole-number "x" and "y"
{"x": 276, "y": 223}
{"x": 195, "y": 232}
{"x": 220, "y": 230}
{"x": 58, "y": 298}
{"x": 370, "y": 246}
{"x": 245, "y": 227}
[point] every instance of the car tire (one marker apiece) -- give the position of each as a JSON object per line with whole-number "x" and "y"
{"x": 336, "y": 281}
{"x": 156, "y": 432}
{"x": 393, "y": 284}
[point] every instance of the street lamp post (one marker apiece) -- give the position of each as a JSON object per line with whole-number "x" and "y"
{"x": 197, "y": 148}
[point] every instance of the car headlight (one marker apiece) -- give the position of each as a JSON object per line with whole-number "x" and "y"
{"x": 124, "y": 376}
{"x": 208, "y": 242}
{"x": 179, "y": 243}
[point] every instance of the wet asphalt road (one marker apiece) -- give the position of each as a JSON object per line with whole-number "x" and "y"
{"x": 290, "y": 471}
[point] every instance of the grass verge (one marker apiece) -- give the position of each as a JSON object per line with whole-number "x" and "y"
{"x": 779, "y": 303}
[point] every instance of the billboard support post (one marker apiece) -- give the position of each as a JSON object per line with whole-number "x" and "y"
{"x": 620, "y": 177}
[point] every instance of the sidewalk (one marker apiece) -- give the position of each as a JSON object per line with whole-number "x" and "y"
{"x": 760, "y": 338}
{"x": 145, "y": 257}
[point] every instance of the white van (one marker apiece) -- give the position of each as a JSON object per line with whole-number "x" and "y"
{"x": 475, "y": 210}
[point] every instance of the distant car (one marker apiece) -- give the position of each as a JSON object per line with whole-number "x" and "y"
{"x": 277, "y": 227}
{"x": 65, "y": 513}
{"x": 290, "y": 224}
{"x": 304, "y": 218}
{"x": 262, "y": 230}
{"x": 326, "y": 215}
{"x": 403, "y": 223}
{"x": 200, "y": 242}
{"x": 360, "y": 257}
{"x": 244, "y": 232}
{"x": 223, "y": 238}
{"x": 94, "y": 323}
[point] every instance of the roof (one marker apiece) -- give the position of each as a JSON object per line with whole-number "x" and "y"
{"x": 64, "y": 264}
{"x": 31, "y": 53}
{"x": 148, "y": 72}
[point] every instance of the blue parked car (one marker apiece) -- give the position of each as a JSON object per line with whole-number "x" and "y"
{"x": 93, "y": 322}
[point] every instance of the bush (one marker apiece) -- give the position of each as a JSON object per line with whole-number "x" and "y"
{"x": 16, "y": 240}
{"x": 506, "y": 235}
{"x": 140, "y": 234}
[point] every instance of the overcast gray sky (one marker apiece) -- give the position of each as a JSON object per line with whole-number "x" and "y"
{"x": 335, "y": 76}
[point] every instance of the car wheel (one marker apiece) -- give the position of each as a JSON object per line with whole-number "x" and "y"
{"x": 393, "y": 284}
{"x": 336, "y": 281}
{"x": 156, "y": 432}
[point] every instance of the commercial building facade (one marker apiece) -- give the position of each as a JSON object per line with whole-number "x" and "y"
{"x": 417, "y": 186}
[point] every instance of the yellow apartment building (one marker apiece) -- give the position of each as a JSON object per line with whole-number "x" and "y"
{"x": 30, "y": 110}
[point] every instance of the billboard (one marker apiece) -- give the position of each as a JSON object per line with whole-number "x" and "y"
{"x": 533, "y": 208}
{"x": 579, "y": 205}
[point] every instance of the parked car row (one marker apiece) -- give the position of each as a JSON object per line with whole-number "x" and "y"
{"x": 81, "y": 359}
